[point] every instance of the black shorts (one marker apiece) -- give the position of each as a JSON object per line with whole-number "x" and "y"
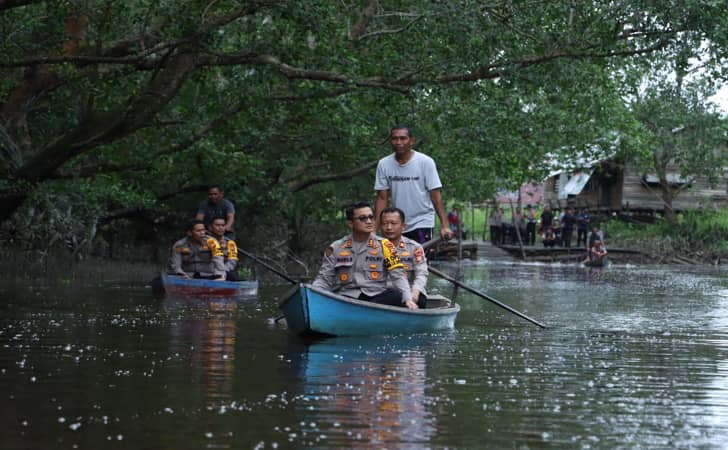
{"x": 420, "y": 235}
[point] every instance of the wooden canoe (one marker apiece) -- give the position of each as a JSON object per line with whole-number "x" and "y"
{"x": 311, "y": 310}
{"x": 197, "y": 287}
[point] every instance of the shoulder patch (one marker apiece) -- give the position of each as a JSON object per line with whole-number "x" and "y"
{"x": 387, "y": 243}
{"x": 329, "y": 251}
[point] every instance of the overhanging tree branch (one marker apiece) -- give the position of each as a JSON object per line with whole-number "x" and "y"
{"x": 301, "y": 185}
{"x": 9, "y": 4}
{"x": 364, "y": 21}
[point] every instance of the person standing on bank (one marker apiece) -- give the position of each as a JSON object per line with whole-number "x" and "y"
{"x": 496, "y": 221}
{"x": 411, "y": 178}
{"x": 410, "y": 253}
{"x": 582, "y": 226}
{"x": 365, "y": 265}
{"x": 547, "y": 218}
{"x": 217, "y": 206}
{"x": 530, "y": 225}
{"x": 567, "y": 227}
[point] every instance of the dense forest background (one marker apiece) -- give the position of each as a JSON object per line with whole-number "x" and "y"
{"x": 116, "y": 116}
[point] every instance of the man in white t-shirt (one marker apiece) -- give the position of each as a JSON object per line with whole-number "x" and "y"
{"x": 411, "y": 178}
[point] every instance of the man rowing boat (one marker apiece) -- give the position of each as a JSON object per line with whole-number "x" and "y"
{"x": 412, "y": 180}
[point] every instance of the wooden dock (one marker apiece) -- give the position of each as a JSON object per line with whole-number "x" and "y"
{"x": 485, "y": 250}
{"x": 571, "y": 254}
{"x": 470, "y": 250}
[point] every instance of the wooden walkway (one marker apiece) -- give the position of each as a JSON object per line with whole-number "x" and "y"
{"x": 570, "y": 254}
{"x": 471, "y": 250}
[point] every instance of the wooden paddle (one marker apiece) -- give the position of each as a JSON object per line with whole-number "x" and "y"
{"x": 483, "y": 295}
{"x": 267, "y": 266}
{"x": 431, "y": 243}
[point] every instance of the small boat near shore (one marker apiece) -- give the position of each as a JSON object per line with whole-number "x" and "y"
{"x": 601, "y": 262}
{"x": 172, "y": 285}
{"x": 309, "y": 310}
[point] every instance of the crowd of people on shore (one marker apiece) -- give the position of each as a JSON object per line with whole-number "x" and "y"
{"x": 555, "y": 231}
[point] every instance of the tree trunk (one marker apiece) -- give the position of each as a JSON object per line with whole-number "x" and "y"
{"x": 667, "y": 198}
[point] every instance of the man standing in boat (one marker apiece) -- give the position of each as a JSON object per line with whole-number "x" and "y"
{"x": 228, "y": 247}
{"x": 217, "y": 206}
{"x": 365, "y": 265}
{"x": 197, "y": 255}
{"x": 412, "y": 179}
{"x": 410, "y": 253}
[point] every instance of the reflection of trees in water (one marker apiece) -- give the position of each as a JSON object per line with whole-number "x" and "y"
{"x": 367, "y": 391}
{"x": 209, "y": 327}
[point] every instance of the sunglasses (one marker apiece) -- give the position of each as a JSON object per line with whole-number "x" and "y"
{"x": 365, "y": 218}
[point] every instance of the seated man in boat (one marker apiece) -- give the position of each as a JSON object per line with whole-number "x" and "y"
{"x": 549, "y": 237}
{"x": 228, "y": 246}
{"x": 598, "y": 252}
{"x": 594, "y": 235}
{"x": 197, "y": 255}
{"x": 410, "y": 253}
{"x": 365, "y": 265}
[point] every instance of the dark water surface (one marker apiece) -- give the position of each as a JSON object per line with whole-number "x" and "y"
{"x": 635, "y": 358}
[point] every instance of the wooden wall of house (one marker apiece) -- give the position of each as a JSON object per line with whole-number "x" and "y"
{"x": 599, "y": 194}
{"x": 624, "y": 189}
{"x": 635, "y": 195}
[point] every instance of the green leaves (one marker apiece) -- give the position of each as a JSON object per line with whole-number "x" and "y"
{"x": 266, "y": 97}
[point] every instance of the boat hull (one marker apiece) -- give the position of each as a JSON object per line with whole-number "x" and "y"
{"x": 312, "y": 310}
{"x": 602, "y": 262}
{"x": 196, "y": 287}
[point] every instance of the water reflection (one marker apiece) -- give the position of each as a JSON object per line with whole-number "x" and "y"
{"x": 635, "y": 358}
{"x": 208, "y": 328}
{"x": 372, "y": 391}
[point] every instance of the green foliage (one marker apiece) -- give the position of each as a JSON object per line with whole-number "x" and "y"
{"x": 698, "y": 233}
{"x": 282, "y": 102}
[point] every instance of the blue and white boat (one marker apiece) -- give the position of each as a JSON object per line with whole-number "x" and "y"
{"x": 312, "y": 310}
{"x": 173, "y": 285}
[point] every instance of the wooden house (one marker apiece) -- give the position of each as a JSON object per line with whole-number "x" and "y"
{"x": 608, "y": 186}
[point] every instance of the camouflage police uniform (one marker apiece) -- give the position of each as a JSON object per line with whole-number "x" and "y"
{"x": 229, "y": 251}
{"x": 191, "y": 258}
{"x": 412, "y": 256}
{"x": 365, "y": 267}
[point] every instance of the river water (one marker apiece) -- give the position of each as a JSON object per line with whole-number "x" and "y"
{"x": 634, "y": 357}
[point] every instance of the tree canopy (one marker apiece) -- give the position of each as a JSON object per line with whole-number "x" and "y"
{"x": 107, "y": 107}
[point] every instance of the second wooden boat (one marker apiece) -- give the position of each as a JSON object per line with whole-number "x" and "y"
{"x": 198, "y": 287}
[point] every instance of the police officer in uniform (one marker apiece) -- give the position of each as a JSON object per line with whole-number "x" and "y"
{"x": 410, "y": 252}
{"x": 197, "y": 255}
{"x": 228, "y": 246}
{"x": 364, "y": 265}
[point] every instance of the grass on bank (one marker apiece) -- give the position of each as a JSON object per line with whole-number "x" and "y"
{"x": 700, "y": 234}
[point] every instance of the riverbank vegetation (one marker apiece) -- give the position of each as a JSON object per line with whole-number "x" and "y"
{"x": 115, "y": 117}
{"x": 696, "y": 237}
